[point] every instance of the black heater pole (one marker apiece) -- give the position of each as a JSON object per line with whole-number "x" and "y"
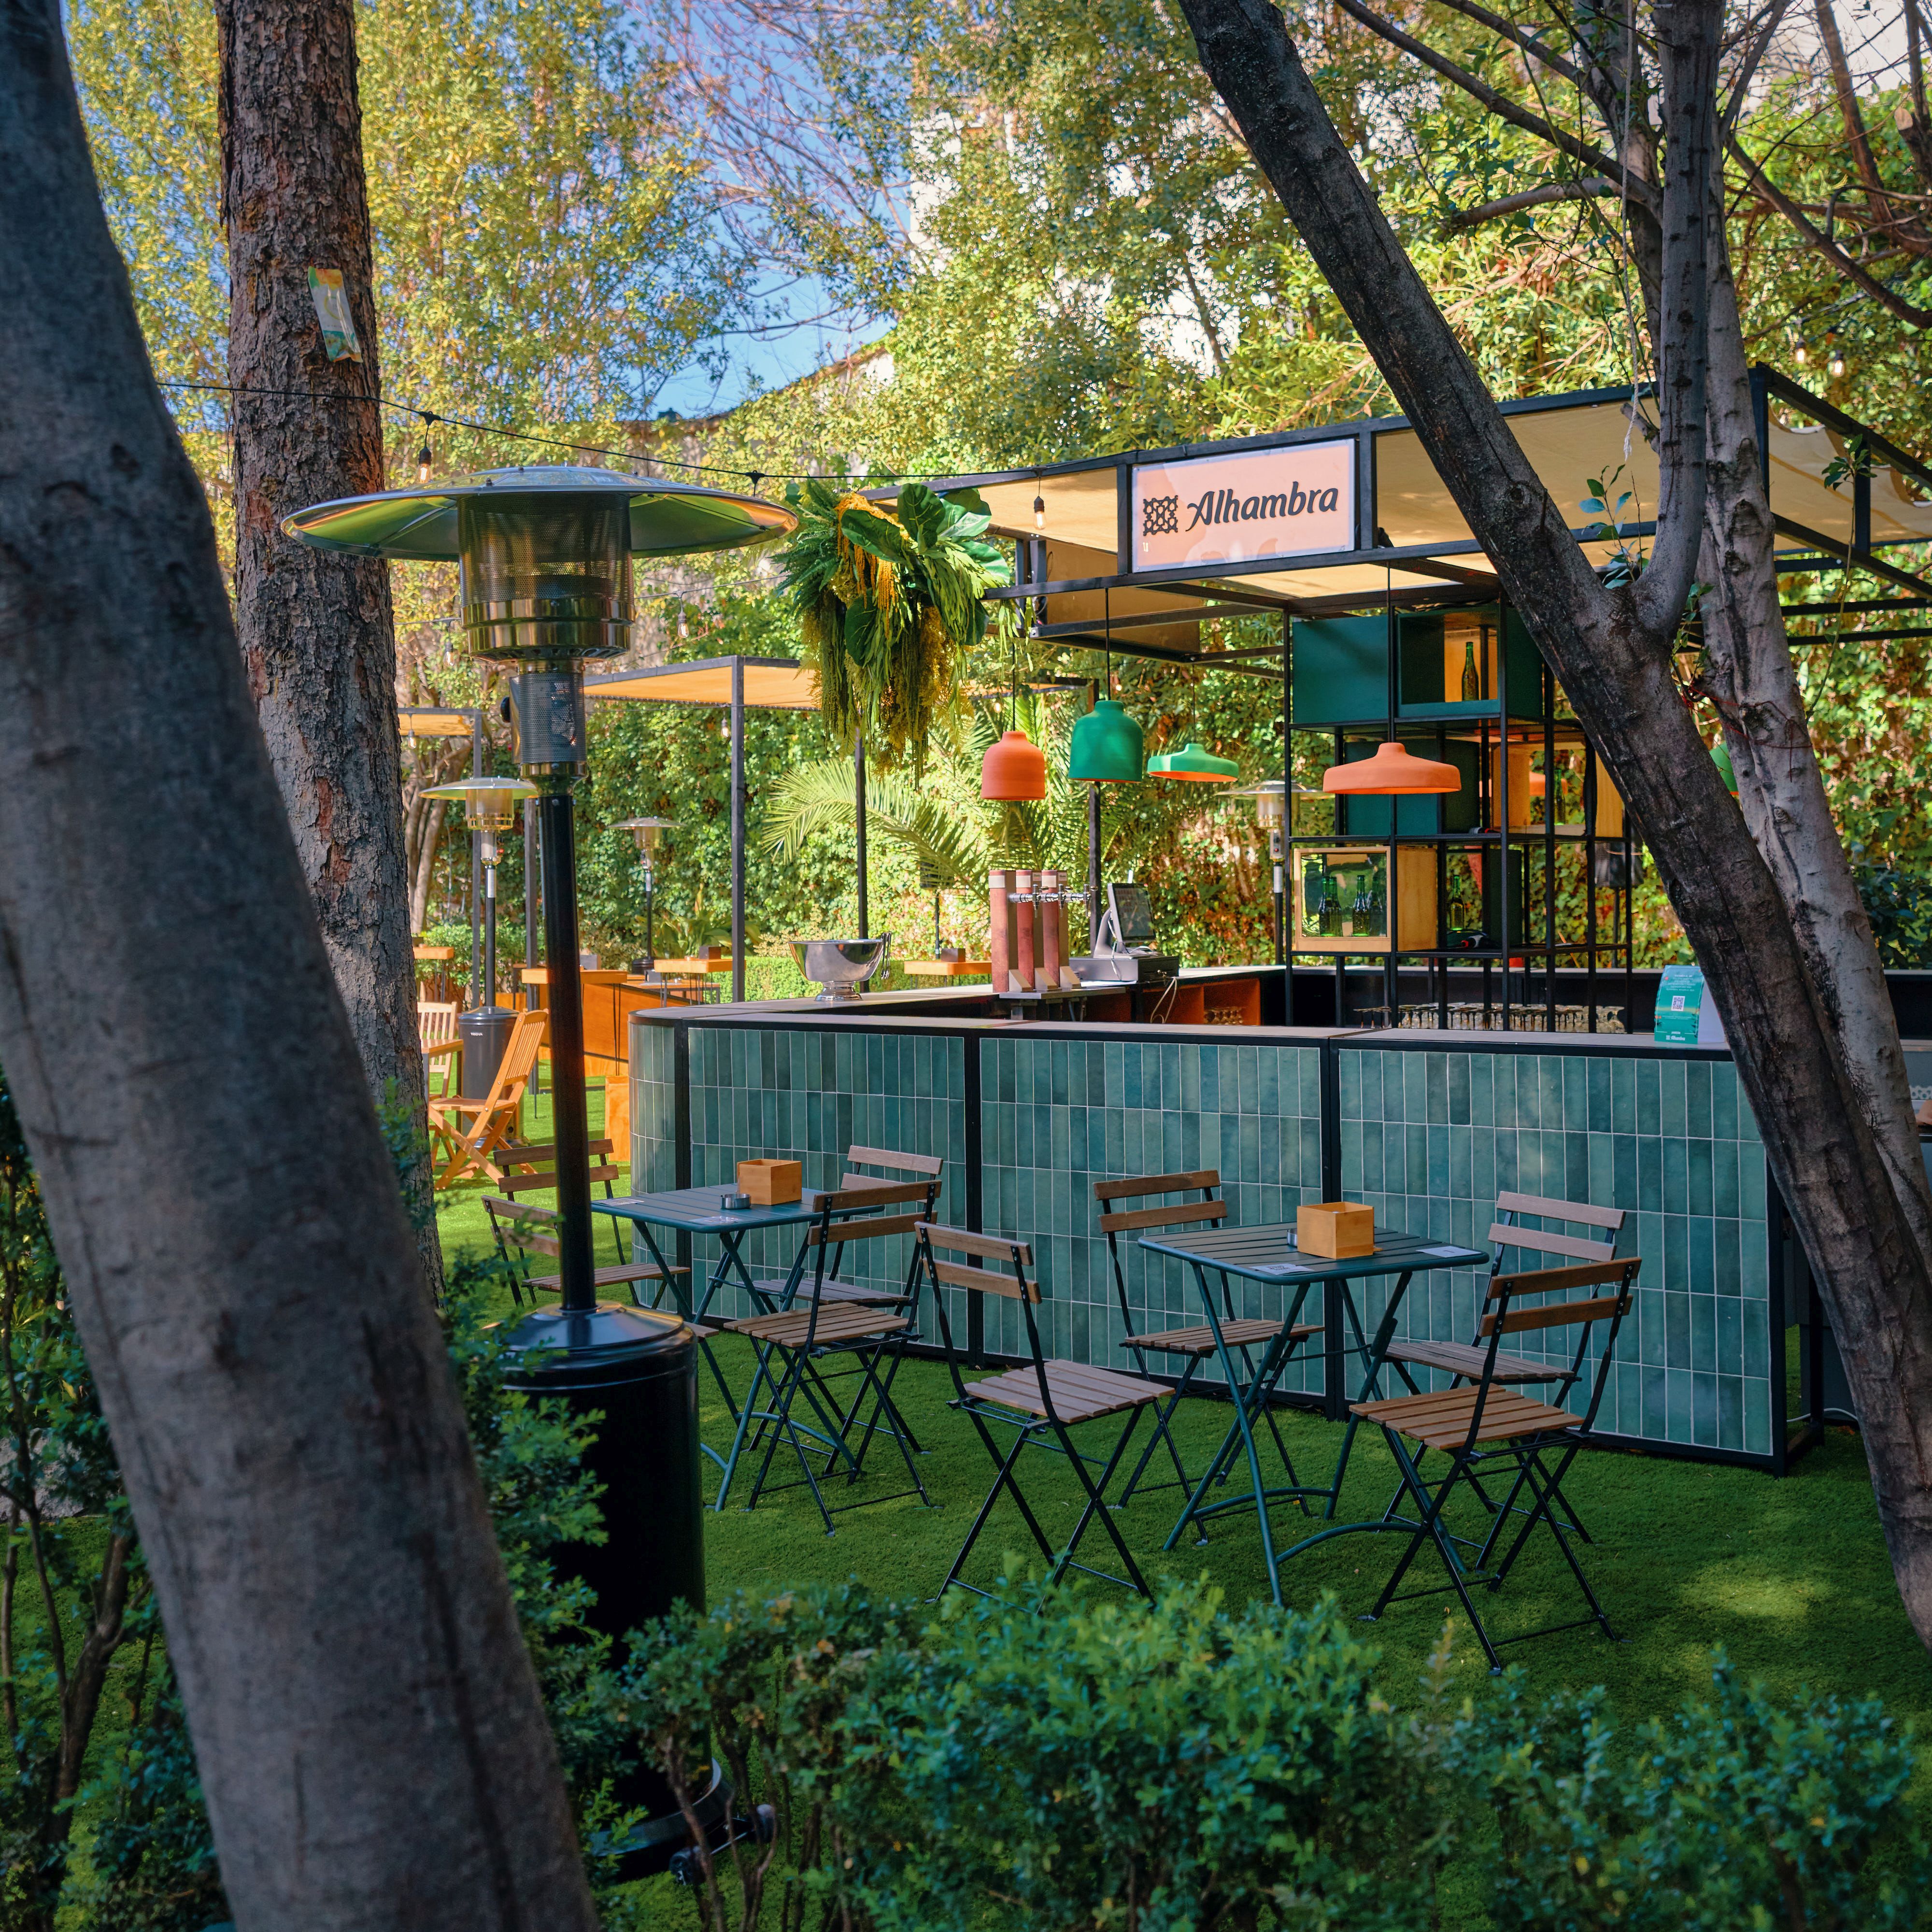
{"x": 556, "y": 823}
{"x": 475, "y": 870}
{"x": 533, "y": 944}
{"x": 858, "y": 804}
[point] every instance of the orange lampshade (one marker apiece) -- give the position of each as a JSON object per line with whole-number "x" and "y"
{"x": 1392, "y": 769}
{"x": 1015, "y": 769}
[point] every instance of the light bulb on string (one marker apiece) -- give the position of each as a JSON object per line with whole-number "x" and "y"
{"x": 1836, "y": 366}
{"x": 425, "y": 459}
{"x": 1039, "y": 514}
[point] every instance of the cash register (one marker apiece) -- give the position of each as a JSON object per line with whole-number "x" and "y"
{"x": 1124, "y": 954}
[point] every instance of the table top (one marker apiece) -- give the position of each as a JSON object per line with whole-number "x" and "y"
{"x": 1267, "y": 1252}
{"x": 697, "y": 1208}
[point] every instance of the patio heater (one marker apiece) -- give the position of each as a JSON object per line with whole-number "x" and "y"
{"x": 544, "y": 554}
{"x": 648, "y": 832}
{"x": 1271, "y": 817}
{"x": 490, "y": 805}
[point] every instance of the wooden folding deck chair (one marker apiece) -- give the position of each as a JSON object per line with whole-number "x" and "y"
{"x": 524, "y": 1230}
{"x": 442, "y": 1050}
{"x": 1041, "y": 1403}
{"x": 1464, "y": 1361}
{"x": 1488, "y": 1421}
{"x": 472, "y": 1133}
{"x": 1192, "y": 1344}
{"x": 810, "y": 1326}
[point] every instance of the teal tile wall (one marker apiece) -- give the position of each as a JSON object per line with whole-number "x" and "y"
{"x": 807, "y": 1095}
{"x": 653, "y": 1109}
{"x": 1057, "y": 1115}
{"x": 1430, "y": 1139}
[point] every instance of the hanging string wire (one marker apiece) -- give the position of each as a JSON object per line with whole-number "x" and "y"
{"x": 754, "y": 477}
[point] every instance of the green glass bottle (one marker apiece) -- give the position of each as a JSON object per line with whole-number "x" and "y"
{"x": 1472, "y": 679}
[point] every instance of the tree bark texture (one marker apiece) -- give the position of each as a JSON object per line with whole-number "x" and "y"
{"x": 1751, "y": 679}
{"x": 1610, "y": 649}
{"x": 317, "y": 632}
{"x": 367, "y": 1723}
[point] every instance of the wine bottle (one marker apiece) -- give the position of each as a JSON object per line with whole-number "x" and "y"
{"x": 1472, "y": 680}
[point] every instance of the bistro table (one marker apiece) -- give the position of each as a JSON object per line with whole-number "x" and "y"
{"x": 698, "y": 1210}
{"x": 1267, "y": 1253}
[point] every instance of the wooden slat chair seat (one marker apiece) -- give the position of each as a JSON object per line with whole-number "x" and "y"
{"x": 1485, "y": 1422}
{"x": 1194, "y": 1342}
{"x": 1041, "y": 1403}
{"x": 523, "y": 1230}
{"x": 809, "y": 1326}
{"x": 1464, "y": 1359}
{"x": 471, "y": 1134}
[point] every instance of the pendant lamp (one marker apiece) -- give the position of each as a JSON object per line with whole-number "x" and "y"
{"x": 1109, "y": 747}
{"x": 1192, "y": 762}
{"x": 1391, "y": 770}
{"x": 1014, "y": 769}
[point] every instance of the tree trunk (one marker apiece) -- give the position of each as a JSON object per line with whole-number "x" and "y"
{"x": 318, "y": 635}
{"x": 365, "y": 1715}
{"x": 1611, "y": 656}
{"x": 1753, "y": 684}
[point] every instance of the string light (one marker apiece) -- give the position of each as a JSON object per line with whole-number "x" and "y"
{"x": 1835, "y": 367}
{"x": 1039, "y": 515}
{"x": 425, "y": 461}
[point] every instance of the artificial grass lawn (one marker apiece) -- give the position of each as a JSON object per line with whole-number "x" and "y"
{"x": 1790, "y": 1577}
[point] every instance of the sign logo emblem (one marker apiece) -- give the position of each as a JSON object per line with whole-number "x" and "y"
{"x": 1295, "y": 502}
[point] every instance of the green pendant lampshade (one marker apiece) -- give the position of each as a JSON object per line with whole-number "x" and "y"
{"x": 1720, "y": 757}
{"x": 1109, "y": 747}
{"x": 1192, "y": 762}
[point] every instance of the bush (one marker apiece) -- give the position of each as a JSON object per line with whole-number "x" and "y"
{"x": 1045, "y": 1762}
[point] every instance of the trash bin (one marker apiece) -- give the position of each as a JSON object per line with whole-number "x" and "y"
{"x": 638, "y": 1369}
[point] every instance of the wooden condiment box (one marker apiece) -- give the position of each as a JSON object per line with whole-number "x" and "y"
{"x": 1338, "y": 1229}
{"x": 771, "y": 1184}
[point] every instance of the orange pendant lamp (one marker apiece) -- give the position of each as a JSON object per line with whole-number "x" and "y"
{"x": 1014, "y": 770}
{"x": 1391, "y": 770}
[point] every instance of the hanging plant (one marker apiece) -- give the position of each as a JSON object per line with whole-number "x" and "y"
{"x": 889, "y": 602}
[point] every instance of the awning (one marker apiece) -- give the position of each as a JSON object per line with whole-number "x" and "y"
{"x": 771, "y": 684}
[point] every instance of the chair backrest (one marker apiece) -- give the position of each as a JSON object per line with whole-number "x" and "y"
{"x": 851, "y": 1214}
{"x": 1501, "y": 1318}
{"x": 930, "y": 1166}
{"x": 519, "y": 1058}
{"x": 436, "y": 1020}
{"x": 1009, "y": 1274}
{"x": 1506, "y": 1231}
{"x": 522, "y": 1230}
{"x": 1114, "y": 1222}
{"x": 538, "y": 1180}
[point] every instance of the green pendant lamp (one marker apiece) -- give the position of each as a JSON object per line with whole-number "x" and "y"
{"x": 1108, "y": 748}
{"x": 1194, "y": 762}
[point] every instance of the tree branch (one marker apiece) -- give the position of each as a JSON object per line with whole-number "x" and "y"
{"x": 1687, "y": 32}
{"x": 1500, "y": 104}
{"x": 1849, "y": 111}
{"x": 1530, "y": 197}
{"x": 1768, "y": 190}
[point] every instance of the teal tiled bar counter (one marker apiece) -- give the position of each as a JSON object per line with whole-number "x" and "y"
{"x": 1426, "y": 1127}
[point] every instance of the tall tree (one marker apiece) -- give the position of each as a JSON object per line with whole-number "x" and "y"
{"x": 317, "y": 633}
{"x": 1612, "y": 649}
{"x": 364, "y": 1714}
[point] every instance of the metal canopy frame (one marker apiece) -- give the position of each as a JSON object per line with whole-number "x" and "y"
{"x": 715, "y": 684}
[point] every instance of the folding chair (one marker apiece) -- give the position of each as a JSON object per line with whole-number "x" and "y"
{"x": 474, "y": 1133}
{"x": 1041, "y": 1403}
{"x": 1464, "y": 1360}
{"x": 524, "y": 1230}
{"x": 435, "y": 1027}
{"x": 810, "y": 1326}
{"x": 528, "y": 1169}
{"x": 1488, "y": 1421}
{"x": 1193, "y": 1345}
{"x": 900, "y": 1168}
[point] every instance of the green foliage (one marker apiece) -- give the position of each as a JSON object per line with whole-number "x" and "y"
{"x": 1052, "y": 1760}
{"x": 890, "y": 606}
{"x": 1738, "y": 1812}
{"x": 1899, "y": 904}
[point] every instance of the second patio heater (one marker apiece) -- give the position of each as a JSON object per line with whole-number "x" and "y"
{"x": 648, "y": 832}
{"x": 490, "y": 806}
{"x": 545, "y": 560}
